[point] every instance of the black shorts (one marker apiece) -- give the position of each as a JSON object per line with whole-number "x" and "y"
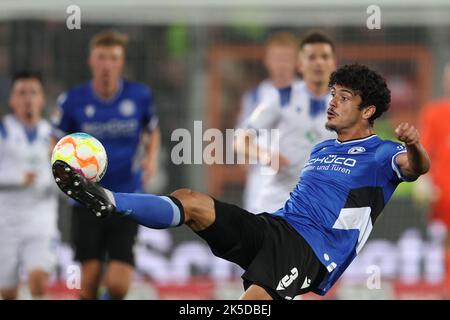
{"x": 272, "y": 253}
{"x": 109, "y": 239}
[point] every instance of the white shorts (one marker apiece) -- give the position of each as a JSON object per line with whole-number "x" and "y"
{"x": 25, "y": 253}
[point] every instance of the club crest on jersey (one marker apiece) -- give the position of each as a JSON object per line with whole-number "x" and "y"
{"x": 89, "y": 111}
{"x": 127, "y": 108}
{"x": 356, "y": 150}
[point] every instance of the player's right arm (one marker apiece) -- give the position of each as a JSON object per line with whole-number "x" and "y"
{"x": 265, "y": 116}
{"x": 10, "y": 178}
{"x": 415, "y": 161}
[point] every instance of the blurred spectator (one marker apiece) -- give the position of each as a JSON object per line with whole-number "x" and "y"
{"x": 28, "y": 197}
{"x": 119, "y": 113}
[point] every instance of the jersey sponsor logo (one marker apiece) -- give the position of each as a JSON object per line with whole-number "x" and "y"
{"x": 400, "y": 147}
{"x": 89, "y": 111}
{"x": 287, "y": 280}
{"x": 112, "y": 129}
{"x": 356, "y": 150}
{"x": 127, "y": 108}
{"x": 349, "y": 162}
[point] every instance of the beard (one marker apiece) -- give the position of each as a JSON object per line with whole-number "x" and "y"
{"x": 330, "y": 127}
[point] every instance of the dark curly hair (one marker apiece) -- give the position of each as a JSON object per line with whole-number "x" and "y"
{"x": 368, "y": 84}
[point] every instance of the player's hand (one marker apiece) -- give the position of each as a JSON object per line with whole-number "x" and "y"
{"x": 29, "y": 179}
{"x": 275, "y": 160}
{"x": 407, "y": 133}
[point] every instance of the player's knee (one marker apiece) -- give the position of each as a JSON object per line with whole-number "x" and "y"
{"x": 117, "y": 289}
{"x": 37, "y": 281}
{"x": 190, "y": 200}
{"x": 38, "y": 289}
{"x": 9, "y": 294}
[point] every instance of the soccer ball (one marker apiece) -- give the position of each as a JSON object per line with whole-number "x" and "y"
{"x": 83, "y": 153}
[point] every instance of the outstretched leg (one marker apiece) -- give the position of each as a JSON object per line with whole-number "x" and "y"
{"x": 194, "y": 209}
{"x": 232, "y": 233}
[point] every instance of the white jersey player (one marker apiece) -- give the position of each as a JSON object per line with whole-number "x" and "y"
{"x": 280, "y": 60}
{"x": 255, "y": 177}
{"x": 28, "y": 198}
{"x": 298, "y": 112}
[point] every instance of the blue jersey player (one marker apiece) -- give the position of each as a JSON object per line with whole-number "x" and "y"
{"x": 308, "y": 244}
{"x": 117, "y": 112}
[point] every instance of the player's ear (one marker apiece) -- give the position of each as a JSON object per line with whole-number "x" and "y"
{"x": 369, "y": 111}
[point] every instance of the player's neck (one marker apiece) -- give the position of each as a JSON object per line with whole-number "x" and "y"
{"x": 354, "y": 133}
{"x": 282, "y": 83}
{"x": 105, "y": 90}
{"x": 317, "y": 89}
{"x": 27, "y": 121}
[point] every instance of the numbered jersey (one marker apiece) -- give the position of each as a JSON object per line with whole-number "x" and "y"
{"x": 342, "y": 190}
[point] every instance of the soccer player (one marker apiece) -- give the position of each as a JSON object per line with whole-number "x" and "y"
{"x": 307, "y": 244}
{"x": 119, "y": 113}
{"x": 298, "y": 112}
{"x": 280, "y": 61}
{"x": 28, "y": 228}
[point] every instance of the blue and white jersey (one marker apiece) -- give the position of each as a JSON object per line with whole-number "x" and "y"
{"x": 26, "y": 150}
{"x": 299, "y": 118}
{"x": 255, "y": 177}
{"x": 342, "y": 190}
{"x": 117, "y": 123}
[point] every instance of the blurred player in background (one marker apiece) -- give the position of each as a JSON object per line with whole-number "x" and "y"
{"x": 28, "y": 218}
{"x": 307, "y": 244}
{"x": 298, "y": 111}
{"x": 436, "y": 138}
{"x": 119, "y": 113}
{"x": 280, "y": 61}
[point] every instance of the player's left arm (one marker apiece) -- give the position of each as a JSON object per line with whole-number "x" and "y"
{"x": 415, "y": 161}
{"x": 150, "y": 160}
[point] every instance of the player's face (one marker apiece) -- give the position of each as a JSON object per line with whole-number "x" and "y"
{"x": 316, "y": 63}
{"x": 107, "y": 63}
{"x": 281, "y": 62}
{"x": 343, "y": 111}
{"x": 27, "y": 99}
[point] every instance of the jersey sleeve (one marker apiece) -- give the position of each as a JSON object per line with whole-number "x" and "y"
{"x": 150, "y": 119}
{"x": 386, "y": 155}
{"x": 268, "y": 112}
{"x": 62, "y": 120}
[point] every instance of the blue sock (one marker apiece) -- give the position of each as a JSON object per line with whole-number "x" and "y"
{"x": 156, "y": 212}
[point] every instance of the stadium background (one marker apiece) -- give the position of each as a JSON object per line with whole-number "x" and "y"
{"x": 199, "y": 57}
